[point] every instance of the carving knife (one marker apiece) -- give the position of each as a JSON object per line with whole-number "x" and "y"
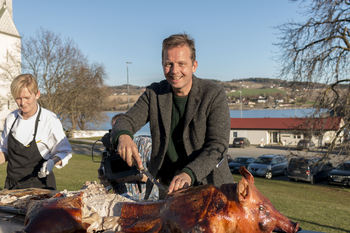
{"x": 153, "y": 180}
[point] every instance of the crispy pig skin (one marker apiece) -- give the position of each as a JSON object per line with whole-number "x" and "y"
{"x": 57, "y": 215}
{"x": 235, "y": 208}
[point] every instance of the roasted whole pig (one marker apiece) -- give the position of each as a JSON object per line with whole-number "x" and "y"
{"x": 235, "y": 208}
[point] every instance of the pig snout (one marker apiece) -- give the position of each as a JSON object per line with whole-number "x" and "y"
{"x": 292, "y": 227}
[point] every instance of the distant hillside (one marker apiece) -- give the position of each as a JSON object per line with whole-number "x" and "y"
{"x": 276, "y": 92}
{"x": 255, "y": 81}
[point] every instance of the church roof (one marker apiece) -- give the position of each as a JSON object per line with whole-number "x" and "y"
{"x": 7, "y": 26}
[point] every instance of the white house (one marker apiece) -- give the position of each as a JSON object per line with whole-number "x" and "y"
{"x": 10, "y": 58}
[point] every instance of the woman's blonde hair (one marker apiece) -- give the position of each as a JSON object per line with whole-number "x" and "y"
{"x": 22, "y": 81}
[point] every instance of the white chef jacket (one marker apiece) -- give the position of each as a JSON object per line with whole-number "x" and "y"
{"x": 50, "y": 137}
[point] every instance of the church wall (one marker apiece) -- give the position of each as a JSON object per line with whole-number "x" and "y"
{"x": 10, "y": 60}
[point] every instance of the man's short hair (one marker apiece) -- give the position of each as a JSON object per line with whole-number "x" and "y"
{"x": 179, "y": 40}
{"x": 24, "y": 81}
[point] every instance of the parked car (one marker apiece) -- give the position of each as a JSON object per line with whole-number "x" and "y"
{"x": 308, "y": 169}
{"x": 305, "y": 144}
{"x": 240, "y": 142}
{"x": 269, "y": 165}
{"x": 237, "y": 162}
{"x": 340, "y": 174}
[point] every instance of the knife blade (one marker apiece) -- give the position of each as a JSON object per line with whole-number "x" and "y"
{"x": 153, "y": 180}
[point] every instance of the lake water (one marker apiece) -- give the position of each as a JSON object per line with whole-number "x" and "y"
{"x": 255, "y": 113}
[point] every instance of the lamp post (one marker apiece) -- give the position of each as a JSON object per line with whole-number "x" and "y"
{"x": 240, "y": 100}
{"x": 127, "y": 80}
{"x": 240, "y": 97}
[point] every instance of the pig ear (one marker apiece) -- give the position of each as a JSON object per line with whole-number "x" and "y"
{"x": 242, "y": 190}
{"x": 246, "y": 174}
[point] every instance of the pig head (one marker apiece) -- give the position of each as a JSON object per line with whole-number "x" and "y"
{"x": 252, "y": 211}
{"x": 235, "y": 208}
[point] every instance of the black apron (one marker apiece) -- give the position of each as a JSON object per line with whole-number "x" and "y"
{"x": 24, "y": 163}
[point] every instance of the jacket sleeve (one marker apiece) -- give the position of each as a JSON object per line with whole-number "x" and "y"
{"x": 135, "y": 118}
{"x": 211, "y": 155}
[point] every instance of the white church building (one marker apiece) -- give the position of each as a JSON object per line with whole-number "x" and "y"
{"x": 10, "y": 58}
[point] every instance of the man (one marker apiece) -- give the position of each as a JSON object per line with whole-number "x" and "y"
{"x": 189, "y": 122}
{"x": 33, "y": 140}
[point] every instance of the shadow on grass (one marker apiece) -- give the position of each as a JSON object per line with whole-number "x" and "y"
{"x": 320, "y": 225}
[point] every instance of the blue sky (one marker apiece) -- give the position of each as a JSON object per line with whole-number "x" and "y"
{"x": 234, "y": 38}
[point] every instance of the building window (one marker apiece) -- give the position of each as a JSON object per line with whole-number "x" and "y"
{"x": 235, "y": 134}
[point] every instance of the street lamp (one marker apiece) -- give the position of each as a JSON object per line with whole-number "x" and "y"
{"x": 240, "y": 97}
{"x": 127, "y": 79}
{"x": 240, "y": 100}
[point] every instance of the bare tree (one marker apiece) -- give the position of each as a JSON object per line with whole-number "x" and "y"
{"x": 64, "y": 76}
{"x": 86, "y": 95}
{"x": 51, "y": 60}
{"x": 318, "y": 50}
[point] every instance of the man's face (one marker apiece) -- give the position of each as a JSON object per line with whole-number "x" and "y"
{"x": 178, "y": 69}
{"x": 27, "y": 102}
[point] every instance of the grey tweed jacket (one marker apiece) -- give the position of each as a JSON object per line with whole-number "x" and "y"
{"x": 206, "y": 128}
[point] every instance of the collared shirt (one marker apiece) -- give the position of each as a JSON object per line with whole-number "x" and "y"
{"x": 50, "y": 137}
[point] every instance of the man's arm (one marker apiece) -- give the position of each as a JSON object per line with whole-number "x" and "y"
{"x": 124, "y": 128}
{"x": 216, "y": 137}
{"x": 2, "y": 157}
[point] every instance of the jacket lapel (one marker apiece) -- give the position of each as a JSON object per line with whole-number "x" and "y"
{"x": 194, "y": 99}
{"x": 165, "y": 105}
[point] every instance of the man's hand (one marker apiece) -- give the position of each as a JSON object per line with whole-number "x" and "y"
{"x": 46, "y": 168}
{"x": 128, "y": 151}
{"x": 183, "y": 180}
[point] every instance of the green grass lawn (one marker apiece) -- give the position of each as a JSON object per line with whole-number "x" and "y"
{"x": 73, "y": 176}
{"x": 316, "y": 207}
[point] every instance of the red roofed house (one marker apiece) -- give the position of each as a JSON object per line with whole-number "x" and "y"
{"x": 285, "y": 131}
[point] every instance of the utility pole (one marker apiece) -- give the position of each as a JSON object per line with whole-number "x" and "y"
{"x": 127, "y": 80}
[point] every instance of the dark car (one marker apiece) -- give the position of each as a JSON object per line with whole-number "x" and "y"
{"x": 237, "y": 162}
{"x": 305, "y": 144}
{"x": 269, "y": 165}
{"x": 340, "y": 174}
{"x": 240, "y": 142}
{"x": 311, "y": 169}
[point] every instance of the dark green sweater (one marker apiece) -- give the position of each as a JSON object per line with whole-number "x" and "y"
{"x": 176, "y": 158}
